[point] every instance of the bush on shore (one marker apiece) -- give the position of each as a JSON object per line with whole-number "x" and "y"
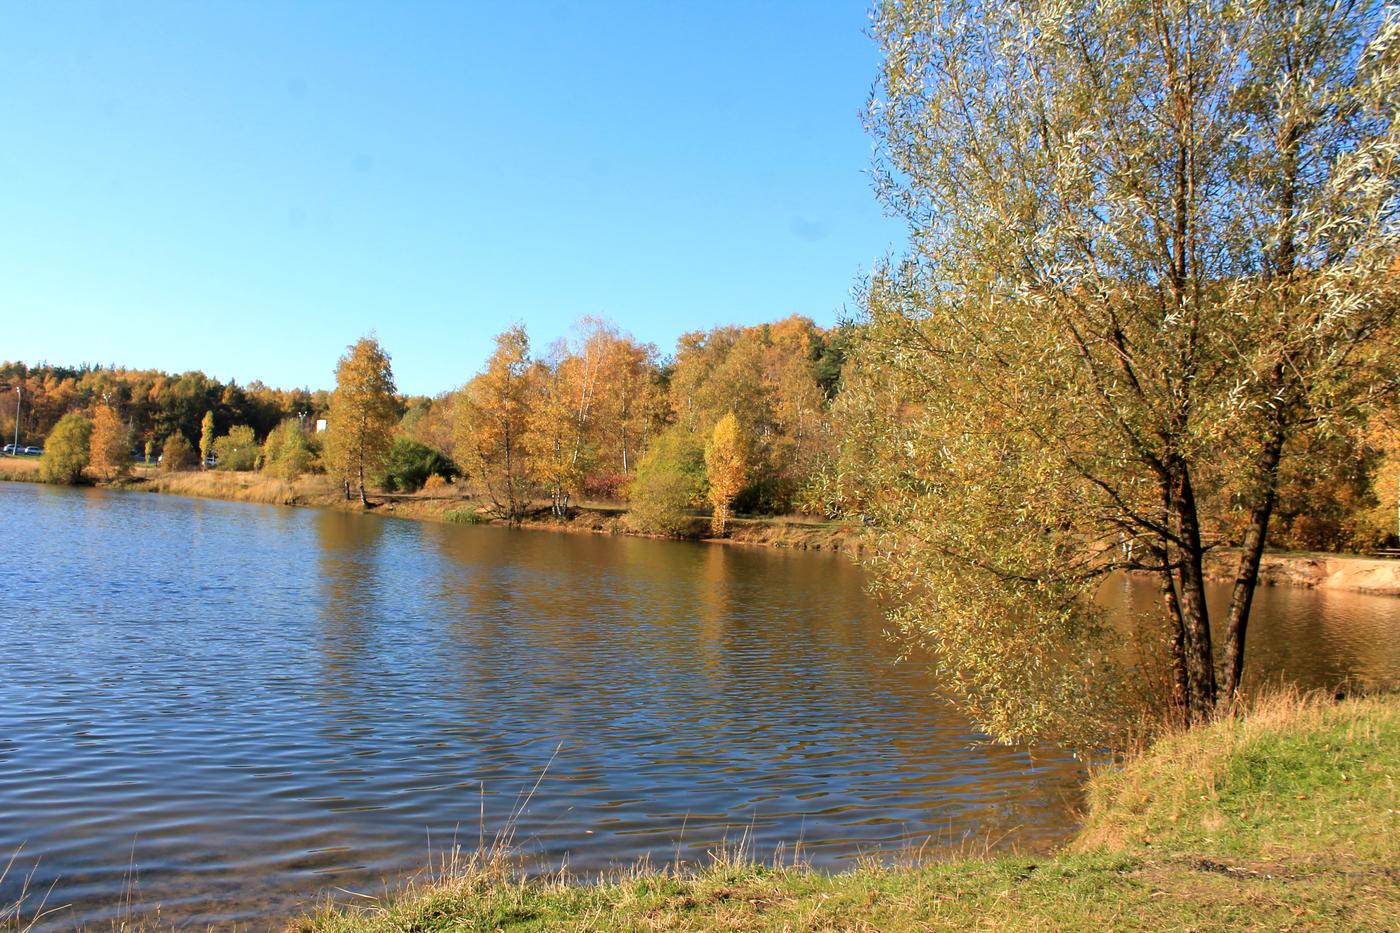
{"x": 66, "y": 450}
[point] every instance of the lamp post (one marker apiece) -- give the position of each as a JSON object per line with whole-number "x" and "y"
{"x": 19, "y": 393}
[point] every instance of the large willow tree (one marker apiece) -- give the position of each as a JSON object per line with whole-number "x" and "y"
{"x": 1153, "y": 243}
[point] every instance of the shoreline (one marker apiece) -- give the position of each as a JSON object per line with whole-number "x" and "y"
{"x": 438, "y": 506}
{"x": 1350, "y": 573}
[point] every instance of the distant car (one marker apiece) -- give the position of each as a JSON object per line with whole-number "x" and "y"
{"x": 211, "y": 461}
{"x": 34, "y": 451}
{"x": 10, "y": 448}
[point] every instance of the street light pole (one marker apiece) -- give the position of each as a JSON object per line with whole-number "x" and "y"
{"x": 19, "y": 393}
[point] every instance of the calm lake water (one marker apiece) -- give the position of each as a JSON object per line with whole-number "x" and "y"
{"x": 225, "y": 711}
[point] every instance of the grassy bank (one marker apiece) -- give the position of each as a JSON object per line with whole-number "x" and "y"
{"x": 1284, "y": 819}
{"x": 19, "y": 469}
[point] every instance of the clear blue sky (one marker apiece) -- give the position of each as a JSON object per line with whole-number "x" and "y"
{"x": 247, "y": 187}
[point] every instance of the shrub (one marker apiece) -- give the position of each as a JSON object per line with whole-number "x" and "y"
{"x": 238, "y": 449}
{"x": 66, "y": 450}
{"x": 670, "y": 479}
{"x": 609, "y": 487}
{"x": 411, "y": 463}
{"x": 464, "y": 516}
{"x": 176, "y": 454}
{"x": 286, "y": 453}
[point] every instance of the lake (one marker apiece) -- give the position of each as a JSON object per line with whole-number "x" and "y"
{"x": 224, "y": 711}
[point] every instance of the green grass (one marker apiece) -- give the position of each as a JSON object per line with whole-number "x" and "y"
{"x": 464, "y": 516}
{"x": 1282, "y": 819}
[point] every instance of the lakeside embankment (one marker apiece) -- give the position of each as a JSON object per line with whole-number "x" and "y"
{"x": 1286, "y": 818}
{"x": 450, "y": 506}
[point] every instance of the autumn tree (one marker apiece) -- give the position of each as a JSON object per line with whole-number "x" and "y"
{"x": 363, "y": 413}
{"x": 66, "y": 450}
{"x": 556, "y": 425}
{"x": 631, "y": 407}
{"x": 726, "y": 468}
{"x": 206, "y": 438}
{"x": 1153, "y": 246}
{"x": 109, "y": 452}
{"x": 176, "y": 454}
{"x": 492, "y": 424}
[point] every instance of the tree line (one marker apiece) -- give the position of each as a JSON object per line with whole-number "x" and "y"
{"x": 735, "y": 419}
{"x": 738, "y": 418}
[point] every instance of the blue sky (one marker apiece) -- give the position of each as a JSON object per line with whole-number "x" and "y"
{"x": 247, "y": 187}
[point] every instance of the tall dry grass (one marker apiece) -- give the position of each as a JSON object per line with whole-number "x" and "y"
{"x": 245, "y": 487}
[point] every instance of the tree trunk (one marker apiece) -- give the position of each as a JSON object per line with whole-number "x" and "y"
{"x": 1251, "y": 550}
{"x": 720, "y": 521}
{"x": 1195, "y": 616}
{"x": 1180, "y": 683}
{"x": 360, "y": 467}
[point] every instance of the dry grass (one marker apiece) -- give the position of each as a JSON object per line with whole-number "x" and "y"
{"x": 246, "y": 487}
{"x": 19, "y": 469}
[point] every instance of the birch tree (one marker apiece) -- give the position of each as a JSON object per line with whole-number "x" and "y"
{"x": 109, "y": 453}
{"x": 726, "y": 468}
{"x": 1153, "y": 245}
{"x": 493, "y": 423}
{"x": 362, "y": 415}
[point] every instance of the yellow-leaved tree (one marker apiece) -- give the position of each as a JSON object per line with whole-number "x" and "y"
{"x": 363, "y": 413}
{"x": 109, "y": 455}
{"x": 493, "y": 412}
{"x": 726, "y": 464}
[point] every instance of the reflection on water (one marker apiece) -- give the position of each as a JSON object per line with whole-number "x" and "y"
{"x": 1317, "y": 639}
{"x": 253, "y": 706}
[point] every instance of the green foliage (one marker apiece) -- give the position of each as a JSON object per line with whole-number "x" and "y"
{"x": 1153, "y": 249}
{"x": 238, "y": 449}
{"x": 287, "y": 453}
{"x": 411, "y": 463}
{"x": 464, "y": 516}
{"x": 670, "y": 481}
{"x": 66, "y": 450}
{"x": 177, "y": 454}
